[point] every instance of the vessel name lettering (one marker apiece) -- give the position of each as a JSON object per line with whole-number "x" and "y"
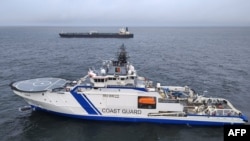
{"x": 110, "y": 95}
{"x": 123, "y": 111}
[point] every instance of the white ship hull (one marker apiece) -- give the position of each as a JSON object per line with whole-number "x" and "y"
{"x": 89, "y": 106}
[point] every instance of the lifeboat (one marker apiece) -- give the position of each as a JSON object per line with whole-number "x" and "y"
{"x": 147, "y": 100}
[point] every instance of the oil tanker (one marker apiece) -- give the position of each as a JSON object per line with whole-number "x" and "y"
{"x": 123, "y": 33}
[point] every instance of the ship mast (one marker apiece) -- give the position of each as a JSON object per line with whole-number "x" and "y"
{"x": 122, "y": 56}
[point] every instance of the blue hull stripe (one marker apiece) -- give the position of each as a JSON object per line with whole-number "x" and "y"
{"x": 91, "y": 104}
{"x": 85, "y": 103}
{"x": 124, "y": 119}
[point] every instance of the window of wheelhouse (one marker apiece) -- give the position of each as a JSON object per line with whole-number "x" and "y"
{"x": 146, "y": 102}
{"x": 100, "y": 80}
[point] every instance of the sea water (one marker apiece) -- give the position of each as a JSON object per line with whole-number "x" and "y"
{"x": 215, "y": 61}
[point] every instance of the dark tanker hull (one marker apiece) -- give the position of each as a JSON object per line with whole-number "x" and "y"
{"x": 96, "y": 35}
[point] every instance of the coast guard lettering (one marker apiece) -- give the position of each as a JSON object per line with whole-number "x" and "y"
{"x": 123, "y": 111}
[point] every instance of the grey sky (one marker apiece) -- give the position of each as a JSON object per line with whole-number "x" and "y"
{"x": 125, "y": 12}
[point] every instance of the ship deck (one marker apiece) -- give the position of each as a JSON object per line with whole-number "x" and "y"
{"x": 38, "y": 84}
{"x": 96, "y": 35}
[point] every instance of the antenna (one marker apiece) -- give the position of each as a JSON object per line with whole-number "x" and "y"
{"x": 204, "y": 91}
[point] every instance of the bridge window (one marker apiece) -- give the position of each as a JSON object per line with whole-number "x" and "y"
{"x": 99, "y": 80}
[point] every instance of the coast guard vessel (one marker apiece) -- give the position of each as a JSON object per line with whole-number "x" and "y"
{"x": 117, "y": 93}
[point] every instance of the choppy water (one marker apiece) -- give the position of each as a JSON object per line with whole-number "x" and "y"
{"x": 213, "y": 59}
